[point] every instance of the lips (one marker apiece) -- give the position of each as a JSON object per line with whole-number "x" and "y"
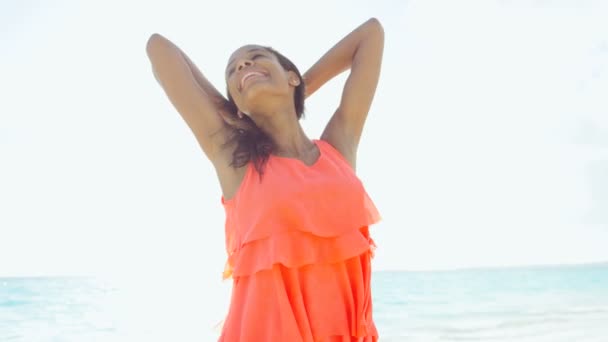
{"x": 248, "y": 75}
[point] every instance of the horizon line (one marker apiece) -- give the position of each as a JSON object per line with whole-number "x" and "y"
{"x": 497, "y": 267}
{"x": 422, "y": 270}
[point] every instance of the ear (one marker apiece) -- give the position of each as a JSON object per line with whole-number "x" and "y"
{"x": 293, "y": 78}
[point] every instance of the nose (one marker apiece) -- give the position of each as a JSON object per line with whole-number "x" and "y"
{"x": 243, "y": 63}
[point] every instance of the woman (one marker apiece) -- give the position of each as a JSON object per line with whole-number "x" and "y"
{"x": 297, "y": 216}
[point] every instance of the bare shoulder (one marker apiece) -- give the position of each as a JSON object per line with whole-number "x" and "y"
{"x": 342, "y": 147}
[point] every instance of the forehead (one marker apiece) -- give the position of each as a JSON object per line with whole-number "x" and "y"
{"x": 243, "y": 50}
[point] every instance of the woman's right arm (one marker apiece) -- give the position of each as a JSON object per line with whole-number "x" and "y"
{"x": 193, "y": 96}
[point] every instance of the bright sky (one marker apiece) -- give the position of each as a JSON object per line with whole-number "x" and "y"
{"x": 487, "y": 143}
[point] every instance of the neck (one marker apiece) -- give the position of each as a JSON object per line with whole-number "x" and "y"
{"x": 281, "y": 123}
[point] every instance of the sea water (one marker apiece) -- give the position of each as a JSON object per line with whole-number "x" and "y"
{"x": 565, "y": 303}
{"x": 558, "y": 303}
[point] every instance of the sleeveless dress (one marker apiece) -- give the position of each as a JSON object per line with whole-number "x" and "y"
{"x": 299, "y": 253}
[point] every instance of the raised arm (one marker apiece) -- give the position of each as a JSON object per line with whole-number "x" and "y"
{"x": 361, "y": 51}
{"x": 192, "y": 95}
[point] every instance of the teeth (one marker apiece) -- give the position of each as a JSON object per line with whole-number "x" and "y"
{"x": 251, "y": 74}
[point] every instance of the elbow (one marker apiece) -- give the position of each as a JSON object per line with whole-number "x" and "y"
{"x": 374, "y": 21}
{"x": 152, "y": 51}
{"x": 375, "y": 26}
{"x": 153, "y": 41}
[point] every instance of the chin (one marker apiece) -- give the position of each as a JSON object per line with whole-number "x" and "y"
{"x": 257, "y": 94}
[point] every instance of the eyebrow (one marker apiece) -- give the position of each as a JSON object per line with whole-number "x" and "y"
{"x": 248, "y": 51}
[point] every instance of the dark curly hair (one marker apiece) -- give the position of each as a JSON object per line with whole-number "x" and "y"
{"x": 253, "y": 144}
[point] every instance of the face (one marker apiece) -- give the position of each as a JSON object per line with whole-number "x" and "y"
{"x": 253, "y": 74}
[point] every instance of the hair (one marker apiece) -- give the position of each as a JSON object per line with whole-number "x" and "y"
{"x": 253, "y": 144}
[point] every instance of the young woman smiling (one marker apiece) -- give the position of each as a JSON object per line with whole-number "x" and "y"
{"x": 297, "y": 216}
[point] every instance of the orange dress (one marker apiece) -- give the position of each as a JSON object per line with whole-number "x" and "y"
{"x": 299, "y": 253}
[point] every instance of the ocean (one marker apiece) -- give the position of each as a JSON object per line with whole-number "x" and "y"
{"x": 549, "y": 303}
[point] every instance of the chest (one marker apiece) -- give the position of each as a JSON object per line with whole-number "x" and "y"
{"x": 287, "y": 196}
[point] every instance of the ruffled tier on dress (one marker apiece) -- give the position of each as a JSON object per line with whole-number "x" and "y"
{"x": 312, "y": 302}
{"x": 308, "y": 241}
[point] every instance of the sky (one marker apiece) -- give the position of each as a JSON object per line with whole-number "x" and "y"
{"x": 486, "y": 144}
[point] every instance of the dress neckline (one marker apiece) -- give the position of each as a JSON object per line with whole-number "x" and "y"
{"x": 298, "y": 161}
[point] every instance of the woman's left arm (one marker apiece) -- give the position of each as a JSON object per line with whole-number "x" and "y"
{"x": 361, "y": 51}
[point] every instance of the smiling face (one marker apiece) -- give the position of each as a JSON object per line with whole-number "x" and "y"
{"x": 254, "y": 75}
